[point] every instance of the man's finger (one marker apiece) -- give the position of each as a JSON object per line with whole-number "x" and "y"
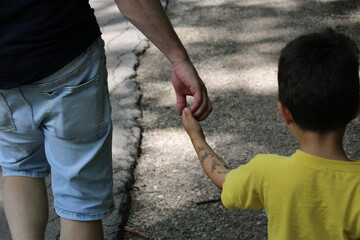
{"x": 180, "y": 103}
{"x": 203, "y": 113}
{"x": 196, "y": 104}
{"x": 203, "y": 109}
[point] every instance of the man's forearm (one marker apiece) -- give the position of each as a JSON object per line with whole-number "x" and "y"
{"x": 215, "y": 168}
{"x": 150, "y": 18}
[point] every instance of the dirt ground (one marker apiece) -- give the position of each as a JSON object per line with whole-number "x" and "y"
{"x": 235, "y": 46}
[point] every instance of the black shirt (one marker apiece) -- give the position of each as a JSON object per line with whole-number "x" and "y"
{"x": 38, "y": 37}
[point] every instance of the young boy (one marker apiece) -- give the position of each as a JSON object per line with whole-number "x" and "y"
{"x": 315, "y": 193}
{"x": 55, "y": 110}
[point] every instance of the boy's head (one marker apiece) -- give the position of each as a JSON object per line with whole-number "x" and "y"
{"x": 319, "y": 80}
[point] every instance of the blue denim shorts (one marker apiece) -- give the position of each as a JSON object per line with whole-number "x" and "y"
{"x": 62, "y": 124}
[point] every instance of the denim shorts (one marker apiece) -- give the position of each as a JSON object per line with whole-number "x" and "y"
{"x": 62, "y": 124}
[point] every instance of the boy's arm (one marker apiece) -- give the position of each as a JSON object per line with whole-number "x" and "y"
{"x": 215, "y": 168}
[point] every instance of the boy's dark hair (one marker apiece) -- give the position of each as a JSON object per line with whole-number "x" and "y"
{"x": 319, "y": 80}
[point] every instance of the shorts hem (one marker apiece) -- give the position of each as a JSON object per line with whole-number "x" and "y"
{"x": 9, "y": 173}
{"x": 84, "y": 216}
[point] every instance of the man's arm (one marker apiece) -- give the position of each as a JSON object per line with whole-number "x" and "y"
{"x": 215, "y": 168}
{"x": 150, "y": 18}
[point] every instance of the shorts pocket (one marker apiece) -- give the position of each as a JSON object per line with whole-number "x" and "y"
{"x": 6, "y": 120}
{"x": 77, "y": 112}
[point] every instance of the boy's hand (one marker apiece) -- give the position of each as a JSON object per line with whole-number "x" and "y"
{"x": 215, "y": 168}
{"x": 191, "y": 125}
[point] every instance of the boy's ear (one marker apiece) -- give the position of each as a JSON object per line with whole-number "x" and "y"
{"x": 285, "y": 113}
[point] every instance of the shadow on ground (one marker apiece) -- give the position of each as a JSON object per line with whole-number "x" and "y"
{"x": 234, "y": 45}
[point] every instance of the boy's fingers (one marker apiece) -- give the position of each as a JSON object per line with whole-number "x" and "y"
{"x": 188, "y": 114}
{"x": 184, "y": 113}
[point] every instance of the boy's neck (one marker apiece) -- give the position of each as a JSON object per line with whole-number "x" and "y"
{"x": 324, "y": 145}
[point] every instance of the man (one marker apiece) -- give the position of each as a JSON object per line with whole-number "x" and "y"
{"x": 55, "y": 111}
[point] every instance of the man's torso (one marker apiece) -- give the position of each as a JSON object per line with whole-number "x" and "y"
{"x": 38, "y": 37}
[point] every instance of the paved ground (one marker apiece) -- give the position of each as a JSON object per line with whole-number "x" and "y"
{"x": 234, "y": 44}
{"x": 123, "y": 45}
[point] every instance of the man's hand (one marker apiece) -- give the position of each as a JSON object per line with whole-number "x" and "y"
{"x": 192, "y": 126}
{"x": 186, "y": 81}
{"x": 150, "y": 18}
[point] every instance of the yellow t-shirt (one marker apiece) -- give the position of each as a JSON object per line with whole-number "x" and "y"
{"x": 305, "y": 197}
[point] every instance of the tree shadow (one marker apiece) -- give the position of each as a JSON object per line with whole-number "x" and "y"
{"x": 242, "y": 37}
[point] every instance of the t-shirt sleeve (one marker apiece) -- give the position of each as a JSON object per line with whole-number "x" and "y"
{"x": 241, "y": 188}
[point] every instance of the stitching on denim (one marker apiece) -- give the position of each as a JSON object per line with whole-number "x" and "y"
{"x": 10, "y": 119}
{"x": 85, "y": 216}
{"x": 68, "y": 76}
{"x": 29, "y": 108}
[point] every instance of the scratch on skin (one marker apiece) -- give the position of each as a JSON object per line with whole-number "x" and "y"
{"x": 215, "y": 162}
{"x": 205, "y": 156}
{"x": 200, "y": 148}
{"x": 214, "y": 165}
{"x": 226, "y": 166}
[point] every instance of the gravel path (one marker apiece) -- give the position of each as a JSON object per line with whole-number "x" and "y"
{"x": 234, "y": 45}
